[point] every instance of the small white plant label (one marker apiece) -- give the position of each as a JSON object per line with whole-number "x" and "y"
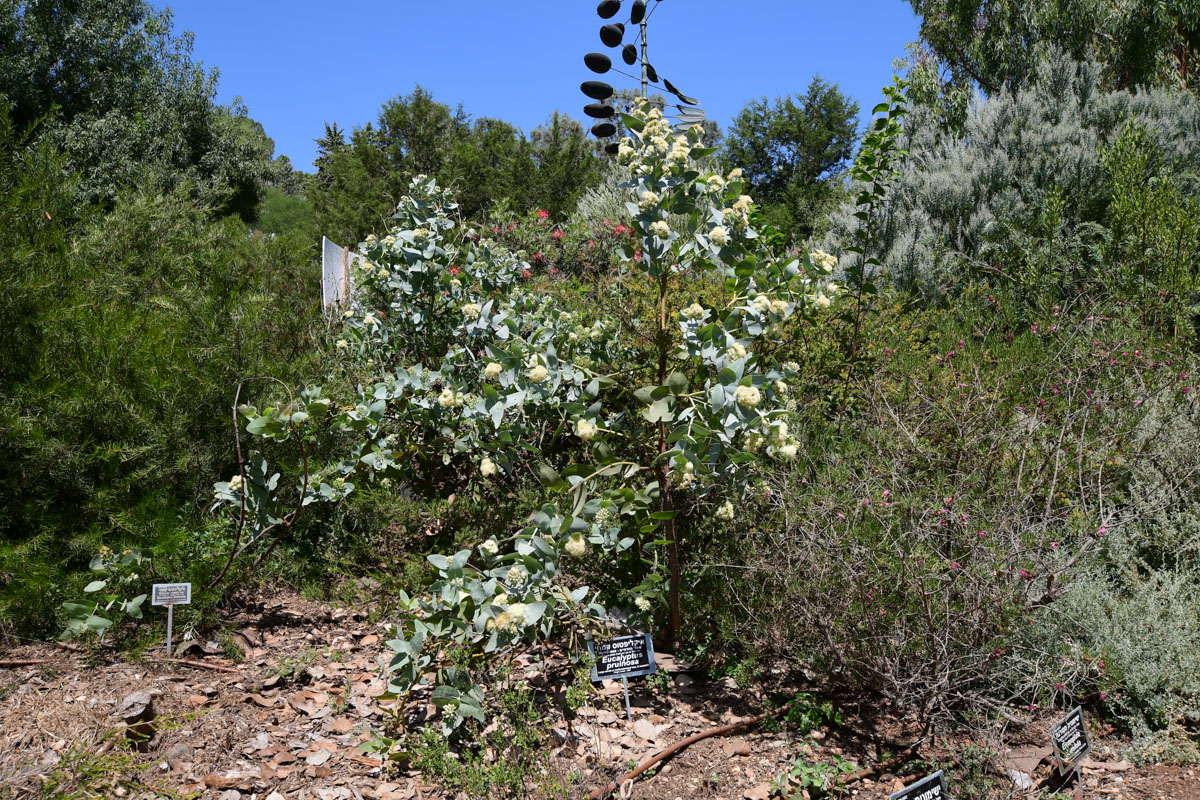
{"x": 171, "y": 594}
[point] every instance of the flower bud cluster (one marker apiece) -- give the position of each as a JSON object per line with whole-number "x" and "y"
{"x": 748, "y": 396}
{"x": 576, "y": 546}
{"x": 585, "y": 430}
{"x": 738, "y": 215}
{"x": 685, "y": 476}
{"x": 823, "y": 260}
{"x": 451, "y": 399}
{"x": 652, "y": 144}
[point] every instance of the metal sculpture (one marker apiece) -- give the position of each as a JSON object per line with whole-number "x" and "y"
{"x": 613, "y": 35}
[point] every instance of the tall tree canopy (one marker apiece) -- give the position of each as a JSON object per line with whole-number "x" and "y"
{"x": 111, "y": 85}
{"x": 995, "y": 43}
{"x": 490, "y": 164}
{"x": 794, "y": 152}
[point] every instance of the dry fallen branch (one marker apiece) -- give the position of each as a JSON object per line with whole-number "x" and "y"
{"x": 27, "y": 662}
{"x": 203, "y": 665}
{"x": 662, "y": 755}
{"x": 899, "y": 758}
{"x": 722, "y": 730}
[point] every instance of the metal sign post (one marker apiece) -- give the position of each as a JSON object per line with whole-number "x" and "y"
{"x": 932, "y": 787}
{"x": 171, "y": 595}
{"x": 624, "y": 657}
{"x": 1071, "y": 743}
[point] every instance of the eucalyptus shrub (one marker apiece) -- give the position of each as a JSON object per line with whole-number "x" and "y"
{"x": 472, "y": 370}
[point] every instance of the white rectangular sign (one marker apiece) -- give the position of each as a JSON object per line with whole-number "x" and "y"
{"x": 171, "y": 594}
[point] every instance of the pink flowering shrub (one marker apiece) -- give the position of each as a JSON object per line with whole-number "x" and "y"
{"x": 916, "y": 547}
{"x": 560, "y": 249}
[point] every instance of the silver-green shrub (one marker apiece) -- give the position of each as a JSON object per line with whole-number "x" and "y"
{"x": 1135, "y": 615}
{"x": 957, "y": 195}
{"x": 1147, "y": 637}
{"x": 606, "y": 200}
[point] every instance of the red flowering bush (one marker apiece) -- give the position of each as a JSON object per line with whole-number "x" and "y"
{"x": 562, "y": 248}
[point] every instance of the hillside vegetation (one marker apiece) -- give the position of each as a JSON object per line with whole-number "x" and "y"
{"x": 920, "y": 426}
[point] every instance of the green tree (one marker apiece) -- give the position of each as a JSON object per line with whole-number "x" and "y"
{"x": 794, "y": 152}
{"x": 126, "y": 331}
{"x": 566, "y": 164}
{"x": 418, "y": 134}
{"x": 489, "y": 162}
{"x": 491, "y": 165}
{"x": 994, "y": 43}
{"x": 352, "y": 192}
{"x": 120, "y": 94}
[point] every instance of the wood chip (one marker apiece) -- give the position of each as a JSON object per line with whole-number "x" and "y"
{"x": 736, "y": 747}
{"x": 760, "y": 792}
{"x": 645, "y": 729}
{"x": 215, "y": 781}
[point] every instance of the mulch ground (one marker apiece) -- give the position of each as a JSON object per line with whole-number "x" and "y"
{"x": 289, "y": 721}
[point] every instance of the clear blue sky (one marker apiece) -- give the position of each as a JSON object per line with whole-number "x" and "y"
{"x": 299, "y": 64}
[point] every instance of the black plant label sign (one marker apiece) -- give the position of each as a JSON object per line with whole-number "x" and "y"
{"x": 930, "y": 788}
{"x": 1070, "y": 739}
{"x": 623, "y": 657}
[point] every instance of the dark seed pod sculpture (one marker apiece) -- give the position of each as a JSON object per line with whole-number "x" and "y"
{"x": 599, "y": 110}
{"x": 612, "y": 35}
{"x": 598, "y": 62}
{"x": 597, "y": 90}
{"x": 608, "y": 8}
{"x": 691, "y": 101}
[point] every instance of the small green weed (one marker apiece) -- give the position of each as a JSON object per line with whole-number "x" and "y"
{"x": 972, "y": 770}
{"x": 659, "y": 682}
{"x": 504, "y": 763}
{"x": 84, "y": 773}
{"x": 290, "y": 669}
{"x": 580, "y": 687}
{"x": 806, "y": 715}
{"x": 812, "y": 780}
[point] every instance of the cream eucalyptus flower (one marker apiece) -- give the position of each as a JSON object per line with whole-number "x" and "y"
{"x": 748, "y": 396}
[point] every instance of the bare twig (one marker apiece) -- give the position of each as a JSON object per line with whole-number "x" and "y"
{"x": 203, "y": 665}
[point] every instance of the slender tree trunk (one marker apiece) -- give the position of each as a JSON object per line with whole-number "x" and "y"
{"x": 663, "y": 342}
